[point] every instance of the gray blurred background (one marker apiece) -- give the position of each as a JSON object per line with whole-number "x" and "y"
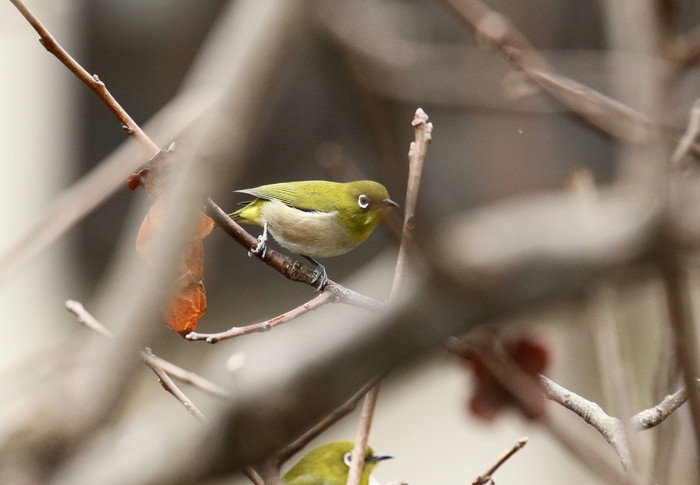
{"x": 348, "y": 92}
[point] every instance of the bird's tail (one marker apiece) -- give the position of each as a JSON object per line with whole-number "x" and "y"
{"x": 236, "y": 215}
{"x": 250, "y": 214}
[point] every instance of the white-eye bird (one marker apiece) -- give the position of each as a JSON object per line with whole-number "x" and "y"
{"x": 329, "y": 465}
{"x": 316, "y": 218}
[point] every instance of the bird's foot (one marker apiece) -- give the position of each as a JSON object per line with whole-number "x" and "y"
{"x": 321, "y": 276}
{"x": 261, "y": 246}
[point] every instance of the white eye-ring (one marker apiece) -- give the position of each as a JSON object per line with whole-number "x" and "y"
{"x": 363, "y": 201}
{"x": 347, "y": 457}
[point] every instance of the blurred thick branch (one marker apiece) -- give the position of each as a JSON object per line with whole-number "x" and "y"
{"x": 482, "y": 265}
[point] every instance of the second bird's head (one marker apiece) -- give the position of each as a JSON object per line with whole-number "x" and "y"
{"x": 329, "y": 465}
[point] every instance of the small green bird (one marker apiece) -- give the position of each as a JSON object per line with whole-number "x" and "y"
{"x": 316, "y": 218}
{"x": 329, "y": 464}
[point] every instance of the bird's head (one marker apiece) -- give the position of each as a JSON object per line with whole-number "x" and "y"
{"x": 364, "y": 205}
{"x": 329, "y": 465}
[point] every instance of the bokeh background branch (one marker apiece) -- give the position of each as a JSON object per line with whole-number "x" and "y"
{"x": 528, "y": 106}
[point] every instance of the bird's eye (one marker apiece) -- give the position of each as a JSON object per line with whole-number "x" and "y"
{"x": 363, "y": 201}
{"x": 347, "y": 457}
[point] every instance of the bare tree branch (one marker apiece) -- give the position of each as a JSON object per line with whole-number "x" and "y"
{"x": 86, "y": 319}
{"x": 357, "y": 459}
{"x": 341, "y": 411}
{"x": 609, "y": 356}
{"x": 93, "y": 82}
{"x": 610, "y": 427}
{"x": 234, "y": 332}
{"x": 654, "y": 416}
{"x": 170, "y": 386}
{"x": 156, "y": 363}
{"x": 487, "y": 477}
{"x": 416, "y": 156}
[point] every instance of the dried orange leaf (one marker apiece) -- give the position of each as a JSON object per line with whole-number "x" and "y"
{"x": 206, "y": 224}
{"x": 193, "y": 259}
{"x": 148, "y": 227}
{"x": 186, "y": 307}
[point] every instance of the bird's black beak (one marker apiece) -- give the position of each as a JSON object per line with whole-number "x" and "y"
{"x": 390, "y": 203}
{"x": 376, "y": 458}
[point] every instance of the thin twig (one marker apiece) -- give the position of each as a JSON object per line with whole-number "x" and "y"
{"x": 86, "y": 319}
{"x": 188, "y": 377}
{"x": 172, "y": 388}
{"x": 604, "y": 113}
{"x": 92, "y": 81}
{"x": 524, "y": 389}
{"x": 416, "y": 156}
{"x": 362, "y": 436}
{"x": 609, "y": 427}
{"x": 343, "y": 410}
{"x": 653, "y": 416}
{"x": 486, "y": 477}
{"x": 234, "y": 332}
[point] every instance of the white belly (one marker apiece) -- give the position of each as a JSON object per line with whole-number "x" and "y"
{"x": 314, "y": 234}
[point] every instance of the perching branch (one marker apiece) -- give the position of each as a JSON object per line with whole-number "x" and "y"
{"x": 289, "y": 267}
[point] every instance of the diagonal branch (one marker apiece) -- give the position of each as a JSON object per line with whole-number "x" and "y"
{"x": 172, "y": 388}
{"x": 266, "y": 325}
{"x": 488, "y": 476}
{"x": 603, "y": 112}
{"x": 93, "y": 82}
{"x": 157, "y": 364}
{"x": 289, "y": 267}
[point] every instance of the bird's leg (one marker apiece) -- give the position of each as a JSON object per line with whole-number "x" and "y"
{"x": 321, "y": 275}
{"x": 261, "y": 246}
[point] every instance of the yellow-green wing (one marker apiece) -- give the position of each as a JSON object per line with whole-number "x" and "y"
{"x": 318, "y": 195}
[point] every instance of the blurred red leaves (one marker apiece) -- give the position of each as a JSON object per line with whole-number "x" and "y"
{"x": 493, "y": 364}
{"x": 188, "y": 301}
